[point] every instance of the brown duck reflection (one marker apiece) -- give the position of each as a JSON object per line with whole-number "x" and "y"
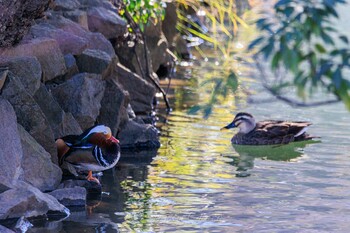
{"x": 247, "y": 154}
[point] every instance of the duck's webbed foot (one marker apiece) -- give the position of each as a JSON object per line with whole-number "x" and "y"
{"x": 91, "y": 178}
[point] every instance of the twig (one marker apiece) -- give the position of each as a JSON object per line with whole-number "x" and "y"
{"x": 287, "y": 100}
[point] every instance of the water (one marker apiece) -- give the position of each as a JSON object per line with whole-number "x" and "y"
{"x": 198, "y": 182}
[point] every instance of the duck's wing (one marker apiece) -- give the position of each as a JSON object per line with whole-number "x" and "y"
{"x": 282, "y": 128}
{"x": 77, "y": 156}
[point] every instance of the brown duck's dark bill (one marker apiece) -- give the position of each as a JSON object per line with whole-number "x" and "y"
{"x": 229, "y": 126}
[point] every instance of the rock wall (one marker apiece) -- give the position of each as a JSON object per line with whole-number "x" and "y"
{"x": 65, "y": 73}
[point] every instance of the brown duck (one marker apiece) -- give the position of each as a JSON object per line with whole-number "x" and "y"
{"x": 267, "y": 132}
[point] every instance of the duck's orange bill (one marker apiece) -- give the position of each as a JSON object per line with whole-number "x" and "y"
{"x": 114, "y": 139}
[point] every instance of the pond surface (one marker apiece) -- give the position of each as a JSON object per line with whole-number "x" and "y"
{"x": 198, "y": 182}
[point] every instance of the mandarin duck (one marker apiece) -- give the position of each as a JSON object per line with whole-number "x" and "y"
{"x": 267, "y": 132}
{"x": 94, "y": 150}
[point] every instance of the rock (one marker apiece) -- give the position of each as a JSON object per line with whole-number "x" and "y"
{"x": 38, "y": 169}
{"x": 22, "y": 225}
{"x": 29, "y": 114}
{"x": 67, "y": 41}
{"x": 98, "y": 41}
{"x": 82, "y": 97}
{"x": 27, "y": 69}
{"x": 111, "y": 106}
{"x": 3, "y": 76}
{"x": 135, "y": 135}
{"x": 45, "y": 50}
{"x": 157, "y": 45}
{"x": 3, "y": 188}
{"x": 181, "y": 48}
{"x": 75, "y": 196}
{"x": 78, "y": 16}
{"x": 93, "y": 61}
{"x": 64, "y": 5}
{"x": 169, "y": 22}
{"x": 141, "y": 98}
{"x": 61, "y": 123}
{"x": 71, "y": 64}
{"x": 28, "y": 201}
{"x": 10, "y": 146}
{"x": 91, "y": 187}
{"x": 5, "y": 230}
{"x": 16, "y": 16}
{"x": 98, "y": 3}
{"x": 94, "y": 40}
{"x": 107, "y": 22}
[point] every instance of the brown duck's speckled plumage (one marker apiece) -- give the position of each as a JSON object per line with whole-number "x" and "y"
{"x": 273, "y": 132}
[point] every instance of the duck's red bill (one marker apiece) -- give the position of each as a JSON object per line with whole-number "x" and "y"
{"x": 114, "y": 139}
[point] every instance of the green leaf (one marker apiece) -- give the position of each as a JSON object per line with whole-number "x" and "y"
{"x": 344, "y": 39}
{"x": 337, "y": 78}
{"x": 275, "y": 60}
{"x": 320, "y": 48}
{"x": 194, "y": 109}
{"x": 255, "y": 42}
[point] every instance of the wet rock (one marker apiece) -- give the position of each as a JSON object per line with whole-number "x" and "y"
{"x": 10, "y": 146}
{"x": 64, "y": 5}
{"x": 3, "y": 76}
{"x": 111, "y": 106}
{"x": 82, "y": 97}
{"x": 78, "y": 16}
{"x": 107, "y": 22}
{"x": 75, "y": 196}
{"x": 45, "y": 50}
{"x": 136, "y": 135}
{"x": 93, "y": 61}
{"x": 98, "y": 41}
{"x": 61, "y": 123}
{"x": 22, "y": 225}
{"x": 28, "y": 201}
{"x": 16, "y": 18}
{"x": 5, "y": 230}
{"x": 27, "y": 69}
{"x": 141, "y": 98}
{"x": 67, "y": 41}
{"x": 38, "y": 169}
{"x": 91, "y": 187}
{"x": 29, "y": 114}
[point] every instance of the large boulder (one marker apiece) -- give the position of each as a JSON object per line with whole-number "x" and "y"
{"x": 112, "y": 106}
{"x": 27, "y": 69}
{"x": 81, "y": 96}
{"x": 67, "y": 41}
{"x": 93, "y": 61}
{"x": 61, "y": 123}
{"x": 169, "y": 23}
{"x": 141, "y": 92}
{"x": 107, "y": 22}
{"x": 95, "y": 40}
{"x": 10, "y": 145}
{"x": 16, "y": 16}
{"x": 28, "y": 201}
{"x": 5, "y": 230}
{"x": 38, "y": 169}
{"x": 47, "y": 52}
{"x": 75, "y": 196}
{"x": 29, "y": 114}
{"x": 136, "y": 135}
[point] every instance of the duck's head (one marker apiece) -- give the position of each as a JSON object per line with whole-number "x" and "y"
{"x": 101, "y": 133}
{"x": 244, "y": 121}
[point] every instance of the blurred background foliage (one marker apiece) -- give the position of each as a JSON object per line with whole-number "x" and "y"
{"x": 295, "y": 36}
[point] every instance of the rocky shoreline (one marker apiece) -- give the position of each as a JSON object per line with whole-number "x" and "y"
{"x": 73, "y": 68}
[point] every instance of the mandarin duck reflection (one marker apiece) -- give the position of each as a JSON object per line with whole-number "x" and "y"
{"x": 94, "y": 150}
{"x": 267, "y": 132}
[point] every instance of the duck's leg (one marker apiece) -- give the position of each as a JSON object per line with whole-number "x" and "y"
{"x": 91, "y": 178}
